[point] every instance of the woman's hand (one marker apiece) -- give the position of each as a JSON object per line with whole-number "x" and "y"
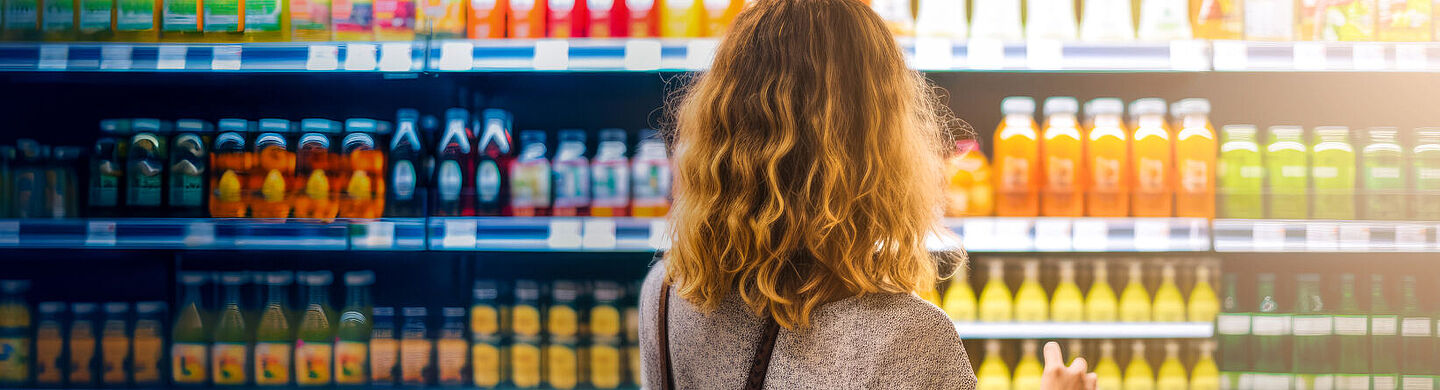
{"x": 1059, "y": 377}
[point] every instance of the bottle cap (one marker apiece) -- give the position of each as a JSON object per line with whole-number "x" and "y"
{"x": 83, "y": 308}
{"x": 457, "y": 114}
{"x": 486, "y": 290}
{"x": 279, "y": 278}
{"x": 1167, "y": 271}
{"x": 1189, "y": 106}
{"x": 532, "y": 137}
{"x": 413, "y": 311}
{"x": 612, "y": 135}
{"x": 234, "y": 278}
{"x": 146, "y": 125}
{"x": 318, "y": 125}
{"x": 572, "y": 135}
{"x": 407, "y": 114}
{"x": 193, "y": 126}
{"x": 526, "y": 290}
{"x": 1017, "y": 105}
{"x": 564, "y": 291}
{"x": 50, "y": 308}
{"x": 1382, "y": 133}
{"x": 449, "y": 312}
{"x": 115, "y": 126}
{"x": 1333, "y": 131}
{"x": 1148, "y": 106}
{"x": 233, "y": 125}
{"x": 316, "y": 278}
{"x": 272, "y": 125}
{"x": 1427, "y": 132}
{"x": 361, "y": 125}
{"x": 1106, "y": 106}
{"x": 1029, "y": 346}
{"x": 1308, "y": 277}
{"x": 190, "y": 278}
{"x": 117, "y": 307}
{"x": 1061, "y": 105}
{"x": 607, "y": 291}
{"x": 1238, "y": 130}
{"x": 149, "y": 307}
{"x": 360, "y": 278}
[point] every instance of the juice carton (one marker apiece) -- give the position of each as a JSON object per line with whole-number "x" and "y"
{"x": 231, "y": 163}
{"x": 1153, "y": 171}
{"x": 1195, "y": 160}
{"x": 1062, "y": 160}
{"x": 568, "y": 18}
{"x": 1287, "y": 169}
{"x": 444, "y": 18}
{"x": 364, "y": 183}
{"x": 487, "y": 18}
{"x": 395, "y": 20}
{"x": 1332, "y": 173}
{"x": 268, "y": 185}
{"x": 1107, "y": 147}
{"x": 115, "y": 345}
{"x": 1017, "y": 161}
{"x": 317, "y": 170}
{"x": 1403, "y": 20}
{"x": 352, "y": 20}
{"x": 527, "y": 18}
{"x": 310, "y": 20}
{"x": 492, "y": 179}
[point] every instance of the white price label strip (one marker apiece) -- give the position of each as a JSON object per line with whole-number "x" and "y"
{"x": 323, "y": 57}
{"x": 1411, "y": 56}
{"x": 1309, "y": 56}
{"x": 457, "y": 56}
{"x": 459, "y": 234}
{"x": 171, "y": 57}
{"x": 659, "y": 235}
{"x": 1231, "y": 55}
{"x": 395, "y": 57}
{"x": 934, "y": 53}
{"x": 1044, "y": 54}
{"x": 979, "y": 234}
{"x": 1322, "y": 236}
{"x": 564, "y": 234}
{"x": 1354, "y": 236}
{"x": 1052, "y": 234}
{"x": 1268, "y": 236}
{"x": 552, "y": 54}
{"x": 642, "y": 54}
{"x": 199, "y": 234}
{"x": 360, "y": 57}
{"x": 599, "y": 234}
{"x": 100, "y": 233}
{"x": 1091, "y": 235}
{"x": 699, "y": 53}
{"x": 54, "y": 57}
{"x": 1013, "y": 234}
{"x": 1368, "y": 56}
{"x": 379, "y": 234}
{"x": 1152, "y": 235}
{"x": 985, "y": 54}
{"x": 116, "y": 57}
{"x": 1410, "y": 236}
{"x": 9, "y": 233}
{"x": 225, "y": 58}
{"x": 1188, "y": 55}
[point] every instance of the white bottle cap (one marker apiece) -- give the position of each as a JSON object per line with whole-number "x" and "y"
{"x": 1148, "y": 106}
{"x": 1287, "y": 131}
{"x": 1192, "y": 106}
{"x": 317, "y": 278}
{"x": 1017, "y": 105}
{"x": 279, "y": 278}
{"x": 1106, "y": 106}
{"x": 359, "y": 278}
{"x": 1061, "y": 105}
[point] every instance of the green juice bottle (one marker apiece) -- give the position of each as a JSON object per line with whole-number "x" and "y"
{"x": 137, "y": 20}
{"x": 1287, "y": 170}
{"x": 190, "y": 338}
{"x": 1313, "y": 340}
{"x": 231, "y": 349}
{"x": 20, "y": 21}
{"x": 1232, "y": 329}
{"x": 94, "y": 19}
{"x": 1417, "y": 339}
{"x": 1383, "y": 173}
{"x": 1425, "y": 174}
{"x": 1384, "y": 339}
{"x": 1332, "y": 169}
{"x": 353, "y": 338}
{"x": 267, "y": 20}
{"x": 180, "y": 21}
{"x": 273, "y": 337}
{"x": 222, "y": 19}
{"x": 1242, "y": 174}
{"x": 57, "y": 21}
{"x": 1270, "y": 339}
{"x": 1352, "y": 332}
{"x": 314, "y": 347}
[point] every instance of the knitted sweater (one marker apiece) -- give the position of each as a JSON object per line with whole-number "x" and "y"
{"x": 874, "y": 341}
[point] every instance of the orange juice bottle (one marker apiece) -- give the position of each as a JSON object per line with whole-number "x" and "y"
{"x": 1107, "y": 149}
{"x": 527, "y": 18}
{"x": 1152, "y": 173}
{"x": 643, "y": 20}
{"x": 230, "y": 164}
{"x": 1195, "y": 149}
{"x": 719, "y": 14}
{"x": 1017, "y": 160}
{"x": 317, "y": 170}
{"x": 1061, "y": 160}
{"x": 363, "y": 194}
{"x": 268, "y": 185}
{"x": 969, "y": 192}
{"x": 487, "y": 18}
{"x": 682, "y": 18}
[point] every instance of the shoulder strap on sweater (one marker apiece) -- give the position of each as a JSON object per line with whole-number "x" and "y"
{"x": 759, "y": 365}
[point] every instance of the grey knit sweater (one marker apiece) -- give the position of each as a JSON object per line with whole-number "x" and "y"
{"x": 875, "y": 341}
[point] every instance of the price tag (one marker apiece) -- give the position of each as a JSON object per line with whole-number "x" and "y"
{"x": 1152, "y": 234}
{"x": 225, "y": 57}
{"x": 979, "y": 234}
{"x": 1091, "y": 235}
{"x": 552, "y": 54}
{"x": 599, "y": 234}
{"x": 116, "y": 57}
{"x": 1231, "y": 55}
{"x": 1188, "y": 55}
{"x": 1268, "y": 236}
{"x": 323, "y": 57}
{"x": 934, "y": 53}
{"x": 1044, "y": 54}
{"x": 171, "y": 57}
{"x": 1309, "y": 56}
{"x": 100, "y": 233}
{"x": 1368, "y": 56}
{"x": 659, "y": 235}
{"x": 9, "y": 233}
{"x": 1322, "y": 236}
{"x": 642, "y": 54}
{"x": 459, "y": 234}
{"x": 1052, "y": 234}
{"x": 395, "y": 57}
{"x": 564, "y": 234}
{"x": 54, "y": 57}
{"x": 1013, "y": 233}
{"x": 985, "y": 54}
{"x": 199, "y": 234}
{"x": 360, "y": 56}
{"x": 378, "y": 234}
{"x": 1354, "y": 236}
{"x": 1410, "y": 236}
{"x": 460, "y": 56}
{"x": 699, "y": 53}
{"x": 1411, "y": 56}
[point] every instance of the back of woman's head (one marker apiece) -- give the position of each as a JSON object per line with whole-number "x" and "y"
{"x": 808, "y": 164}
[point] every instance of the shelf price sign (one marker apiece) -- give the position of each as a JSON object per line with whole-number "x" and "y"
{"x": 1044, "y": 54}
{"x": 985, "y": 54}
{"x": 1411, "y": 57}
{"x": 1309, "y": 56}
{"x": 1152, "y": 234}
{"x": 933, "y": 53}
{"x": 225, "y": 57}
{"x": 552, "y": 54}
{"x": 1322, "y": 236}
{"x": 1188, "y": 55}
{"x": 599, "y": 234}
{"x": 360, "y": 56}
{"x": 459, "y": 234}
{"x": 1091, "y": 235}
{"x": 171, "y": 57}
{"x": 1268, "y": 236}
{"x": 395, "y": 57}
{"x": 116, "y": 57}
{"x": 642, "y": 54}
{"x": 10, "y": 233}
{"x": 323, "y": 57}
{"x": 1052, "y": 234}
{"x": 100, "y": 233}
{"x": 566, "y": 234}
{"x": 53, "y": 57}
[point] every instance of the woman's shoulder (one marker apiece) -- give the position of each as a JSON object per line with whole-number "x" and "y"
{"x": 895, "y": 314}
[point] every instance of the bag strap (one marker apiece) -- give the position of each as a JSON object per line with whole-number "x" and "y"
{"x": 759, "y": 365}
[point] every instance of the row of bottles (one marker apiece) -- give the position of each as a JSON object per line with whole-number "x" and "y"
{"x": 39, "y": 181}
{"x": 1330, "y": 172}
{"x": 561, "y": 335}
{"x": 1137, "y": 373}
{"x": 1063, "y": 301}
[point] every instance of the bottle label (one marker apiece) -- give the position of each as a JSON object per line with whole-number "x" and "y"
{"x": 450, "y": 360}
{"x": 1417, "y": 382}
{"x": 449, "y": 180}
{"x": 1292, "y": 171}
{"x": 1352, "y": 325}
{"x": 1415, "y": 327}
{"x": 222, "y": 15}
{"x": 114, "y": 354}
{"x": 103, "y": 193}
{"x": 149, "y": 346}
{"x": 14, "y": 359}
{"x": 21, "y": 15}
{"x": 262, "y": 15}
{"x": 181, "y": 15}
{"x": 1060, "y": 172}
{"x": 487, "y": 181}
{"x": 610, "y": 185}
{"x": 383, "y": 352}
{"x": 484, "y": 321}
{"x": 572, "y": 185}
{"x": 525, "y": 320}
{"x": 95, "y": 15}
{"x": 1252, "y": 172}
{"x": 188, "y": 363}
{"x": 134, "y": 15}
{"x": 145, "y": 190}
{"x": 1270, "y": 325}
{"x": 317, "y": 187}
{"x": 1314, "y": 382}
{"x": 59, "y": 15}
{"x": 1305, "y": 325}
{"x": 1107, "y": 174}
{"x": 1325, "y": 172}
{"x": 605, "y": 366}
{"x": 562, "y": 321}
{"x": 187, "y": 190}
{"x": 350, "y": 362}
{"x": 1232, "y": 324}
{"x": 561, "y": 365}
{"x": 524, "y": 365}
{"x": 485, "y": 361}
{"x": 229, "y": 363}
{"x": 414, "y": 360}
{"x": 82, "y": 353}
{"x": 272, "y": 363}
{"x": 403, "y": 180}
{"x": 394, "y": 15}
{"x": 1151, "y": 177}
{"x": 1016, "y": 175}
{"x": 49, "y": 348}
{"x": 1384, "y": 382}
{"x": 1195, "y": 175}
{"x": 312, "y": 362}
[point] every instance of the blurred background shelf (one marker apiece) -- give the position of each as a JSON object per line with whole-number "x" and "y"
{"x": 1084, "y": 330}
{"x": 1007, "y": 234}
{"x": 204, "y": 233}
{"x": 1252, "y": 235}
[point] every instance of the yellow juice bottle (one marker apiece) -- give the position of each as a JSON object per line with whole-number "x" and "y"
{"x": 485, "y": 334}
{"x": 1205, "y": 375}
{"x": 959, "y": 301}
{"x": 1106, "y": 369}
{"x": 1172, "y": 373}
{"x": 993, "y": 374}
{"x": 682, "y": 19}
{"x": 1028, "y": 369}
{"x": 1169, "y": 305}
{"x": 1203, "y": 306}
{"x": 1030, "y": 302}
{"x": 525, "y": 356}
{"x": 1067, "y": 305}
{"x": 995, "y": 303}
{"x": 1134, "y": 300}
{"x": 115, "y": 345}
{"x": 1100, "y": 304}
{"x": 1138, "y": 375}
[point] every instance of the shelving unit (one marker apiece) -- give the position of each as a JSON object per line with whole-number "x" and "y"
{"x": 1251, "y": 235}
{"x": 1084, "y": 330}
{"x": 203, "y": 233}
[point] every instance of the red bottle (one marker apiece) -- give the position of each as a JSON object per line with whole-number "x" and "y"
{"x": 568, "y": 18}
{"x": 454, "y": 168}
{"x": 609, "y": 18}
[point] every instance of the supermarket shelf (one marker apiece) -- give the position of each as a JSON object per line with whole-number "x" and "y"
{"x": 203, "y": 233}
{"x": 1260, "y": 235}
{"x": 1084, "y": 330}
{"x": 618, "y": 55}
{"x": 547, "y": 234}
{"x": 1001, "y": 234}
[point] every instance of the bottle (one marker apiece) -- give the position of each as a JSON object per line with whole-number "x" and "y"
{"x": 605, "y": 327}
{"x": 959, "y": 302}
{"x": 407, "y": 190}
{"x": 1134, "y": 300}
{"x": 1030, "y": 302}
{"x": 273, "y": 336}
{"x": 572, "y": 175}
{"x": 1016, "y": 159}
{"x": 49, "y": 345}
{"x": 530, "y": 177}
{"x": 180, "y": 21}
{"x": 364, "y": 185}
{"x": 1383, "y": 176}
{"x": 650, "y": 170}
{"x": 352, "y": 20}
{"x": 1164, "y": 20}
{"x": 970, "y": 191}
{"x": 568, "y": 18}
{"x": 1403, "y": 21}
{"x": 145, "y": 168}
{"x": 1107, "y": 371}
{"x": 443, "y": 19}
{"x": 1384, "y": 338}
{"x": 27, "y": 193}
{"x": 57, "y": 20}
{"x": 486, "y": 338}
{"x": 1100, "y": 303}
{"x": 1352, "y": 345}
{"x": 315, "y": 337}
{"x": 997, "y": 19}
{"x": 492, "y": 184}
{"x": 1288, "y": 173}
{"x": 1050, "y": 19}
{"x": 222, "y": 20}
{"x": 62, "y": 182}
{"x": 317, "y": 166}
{"x": 137, "y": 21}
{"x": 1313, "y": 329}
{"x": 352, "y": 337}
{"x": 1242, "y": 174}
{"x": 1169, "y": 305}
{"x": 995, "y": 303}
{"x": 107, "y": 169}
{"x": 486, "y": 19}
{"x": 895, "y": 13}
{"x": 1195, "y": 160}
{"x": 1061, "y": 193}
{"x": 527, "y": 18}
{"x": 1204, "y": 375}
{"x": 310, "y": 20}
{"x": 562, "y": 329}
{"x": 525, "y": 356}
{"x": 1108, "y": 147}
{"x": 190, "y": 337}
{"x": 1153, "y": 169}
{"x": 115, "y": 345}
{"x": 395, "y": 20}
{"x": 230, "y": 164}
{"x": 1425, "y": 175}
{"x": 1270, "y": 338}
{"x": 455, "y": 165}
{"x": 610, "y": 176}
{"x": 1138, "y": 375}
{"x": 682, "y": 19}
{"x": 1107, "y": 21}
{"x": 148, "y": 345}
{"x": 1416, "y": 338}
{"x": 267, "y": 20}
{"x": 82, "y": 346}
{"x": 187, "y": 168}
{"x": 231, "y": 346}
{"x": 1332, "y": 169}
{"x": 643, "y": 19}
{"x": 415, "y": 347}
{"x": 1353, "y": 21}
{"x": 384, "y": 348}
{"x": 1219, "y": 20}
{"x": 1172, "y": 372}
{"x": 993, "y": 374}
{"x": 1202, "y": 306}
{"x": 942, "y": 19}
{"x": 1028, "y": 369}
{"x": 450, "y": 348}
{"x": 268, "y": 185}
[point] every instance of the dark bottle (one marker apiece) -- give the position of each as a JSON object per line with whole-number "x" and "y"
{"x": 107, "y": 169}
{"x": 115, "y": 345}
{"x": 1232, "y": 328}
{"x": 62, "y": 182}
{"x": 28, "y": 186}
{"x": 492, "y": 184}
{"x": 454, "y": 167}
{"x": 146, "y": 159}
{"x": 407, "y": 194}
{"x": 1352, "y": 357}
{"x": 1417, "y": 338}
{"x": 188, "y": 168}
{"x": 1313, "y": 330}
{"x": 147, "y": 360}
{"x": 1270, "y": 337}
{"x": 1384, "y": 338}
{"x": 7, "y": 181}
{"x": 49, "y": 359}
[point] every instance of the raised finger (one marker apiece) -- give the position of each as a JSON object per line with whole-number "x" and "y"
{"x": 1052, "y": 355}
{"x": 1091, "y": 381}
{"x": 1078, "y": 366}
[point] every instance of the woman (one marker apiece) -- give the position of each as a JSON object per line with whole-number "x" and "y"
{"x": 808, "y": 176}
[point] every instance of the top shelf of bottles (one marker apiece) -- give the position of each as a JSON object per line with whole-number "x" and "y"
{"x": 651, "y": 55}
